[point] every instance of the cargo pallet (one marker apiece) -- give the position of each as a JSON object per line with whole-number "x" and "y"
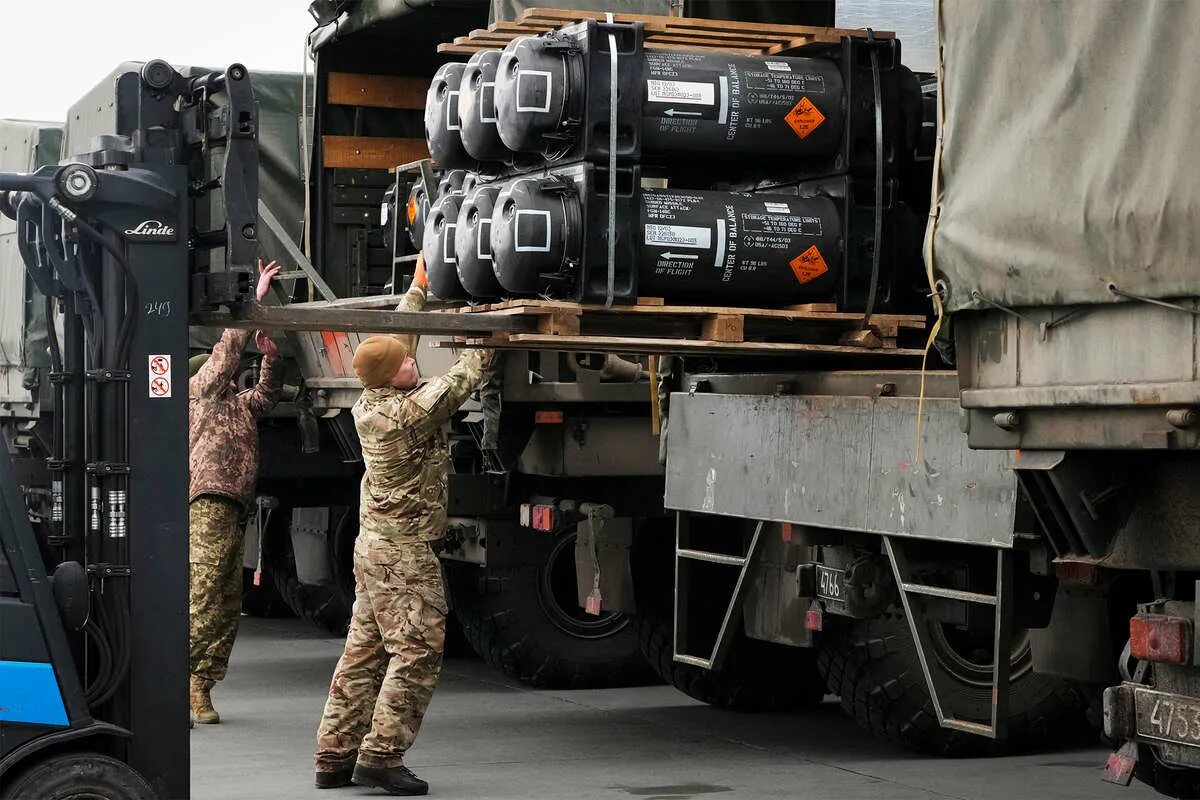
{"x": 662, "y": 33}
{"x": 651, "y": 327}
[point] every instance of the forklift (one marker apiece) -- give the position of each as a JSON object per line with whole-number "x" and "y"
{"x": 155, "y": 223}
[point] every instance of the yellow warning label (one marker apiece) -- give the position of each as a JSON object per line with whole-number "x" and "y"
{"x": 412, "y": 210}
{"x": 809, "y": 265}
{"x": 804, "y": 118}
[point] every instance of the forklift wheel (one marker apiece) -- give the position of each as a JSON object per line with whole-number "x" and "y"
{"x": 75, "y": 775}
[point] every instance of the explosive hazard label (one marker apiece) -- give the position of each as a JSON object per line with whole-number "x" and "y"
{"x": 804, "y": 118}
{"x": 159, "y": 375}
{"x": 809, "y": 265}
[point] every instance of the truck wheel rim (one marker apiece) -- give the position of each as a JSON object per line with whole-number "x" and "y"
{"x": 968, "y": 660}
{"x": 557, "y": 596}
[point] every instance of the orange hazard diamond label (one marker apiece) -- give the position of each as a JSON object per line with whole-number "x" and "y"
{"x": 809, "y": 265}
{"x": 412, "y": 210}
{"x": 804, "y": 118}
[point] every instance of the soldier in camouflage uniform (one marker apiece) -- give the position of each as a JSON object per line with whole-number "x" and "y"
{"x": 223, "y": 459}
{"x": 393, "y": 655}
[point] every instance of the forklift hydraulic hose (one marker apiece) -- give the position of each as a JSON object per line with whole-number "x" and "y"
{"x": 125, "y": 333}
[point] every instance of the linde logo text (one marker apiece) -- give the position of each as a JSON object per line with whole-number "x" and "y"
{"x": 151, "y": 227}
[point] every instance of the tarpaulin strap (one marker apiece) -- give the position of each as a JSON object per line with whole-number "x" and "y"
{"x": 612, "y": 165}
{"x": 1112, "y": 287}
{"x": 878, "y": 180}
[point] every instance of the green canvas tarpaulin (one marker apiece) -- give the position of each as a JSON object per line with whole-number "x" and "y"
{"x": 1068, "y": 151}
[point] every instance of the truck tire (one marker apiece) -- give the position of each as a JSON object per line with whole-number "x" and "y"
{"x": 1165, "y": 779}
{"x": 516, "y": 622}
{"x": 873, "y": 666}
{"x": 325, "y": 605}
{"x": 756, "y": 676}
{"x": 75, "y": 775}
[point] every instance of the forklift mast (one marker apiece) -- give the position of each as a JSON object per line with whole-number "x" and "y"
{"x": 157, "y": 221}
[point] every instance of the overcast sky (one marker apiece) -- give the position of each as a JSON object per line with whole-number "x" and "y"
{"x": 53, "y": 51}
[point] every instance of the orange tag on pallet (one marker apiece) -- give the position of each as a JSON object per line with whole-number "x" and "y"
{"x": 804, "y": 118}
{"x": 809, "y": 265}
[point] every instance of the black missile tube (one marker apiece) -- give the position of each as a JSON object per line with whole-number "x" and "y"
{"x": 440, "y": 261}
{"x": 814, "y": 112}
{"x": 473, "y": 243}
{"x": 442, "y": 123}
{"x": 722, "y": 248}
{"x": 477, "y": 109}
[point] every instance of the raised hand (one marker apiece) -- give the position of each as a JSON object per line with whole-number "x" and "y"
{"x": 419, "y": 277}
{"x": 265, "y": 274}
{"x": 265, "y": 344}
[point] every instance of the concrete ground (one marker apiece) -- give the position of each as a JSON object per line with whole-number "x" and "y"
{"x": 488, "y": 737}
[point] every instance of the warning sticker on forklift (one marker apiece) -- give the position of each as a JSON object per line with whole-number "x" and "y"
{"x": 809, "y": 265}
{"x": 804, "y": 118}
{"x": 159, "y": 375}
{"x": 682, "y": 92}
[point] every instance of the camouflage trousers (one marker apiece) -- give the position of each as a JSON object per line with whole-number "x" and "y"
{"x": 215, "y": 558}
{"x": 387, "y": 673}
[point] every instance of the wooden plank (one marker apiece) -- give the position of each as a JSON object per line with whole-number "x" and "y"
{"x": 723, "y": 328}
{"x": 806, "y": 314}
{"x": 559, "y": 323}
{"x": 567, "y": 16}
{"x": 742, "y": 51}
{"x": 370, "y": 152}
{"x": 719, "y": 37}
{"x": 650, "y": 346}
{"x": 650, "y": 301}
{"x": 377, "y": 91}
{"x": 813, "y": 307}
{"x": 306, "y": 317}
{"x": 459, "y": 49}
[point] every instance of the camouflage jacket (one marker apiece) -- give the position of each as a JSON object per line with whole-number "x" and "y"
{"x": 223, "y": 429}
{"x": 405, "y": 449}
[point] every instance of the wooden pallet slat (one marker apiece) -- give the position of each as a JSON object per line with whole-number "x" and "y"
{"x": 662, "y": 33}
{"x": 811, "y": 328}
{"x": 370, "y": 152}
{"x": 660, "y": 346}
{"x": 377, "y": 91}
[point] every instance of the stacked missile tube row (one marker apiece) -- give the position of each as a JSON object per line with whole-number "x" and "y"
{"x": 524, "y": 206}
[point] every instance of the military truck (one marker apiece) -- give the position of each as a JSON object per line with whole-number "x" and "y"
{"x": 976, "y": 547}
{"x": 24, "y": 146}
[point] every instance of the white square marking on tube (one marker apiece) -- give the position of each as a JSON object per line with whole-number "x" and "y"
{"x": 487, "y": 90}
{"x": 452, "y": 119}
{"x": 484, "y": 240}
{"x": 448, "y": 245}
{"x": 531, "y": 74}
{"x": 531, "y": 248}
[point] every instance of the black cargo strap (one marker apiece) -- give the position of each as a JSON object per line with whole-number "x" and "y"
{"x": 878, "y": 182}
{"x": 612, "y": 165}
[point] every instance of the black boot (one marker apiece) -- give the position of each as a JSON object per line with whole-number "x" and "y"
{"x": 336, "y": 779}
{"x": 393, "y": 780}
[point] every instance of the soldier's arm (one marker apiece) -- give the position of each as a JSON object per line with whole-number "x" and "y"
{"x": 414, "y": 300}
{"x": 444, "y": 395}
{"x": 221, "y": 366}
{"x": 265, "y": 394}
